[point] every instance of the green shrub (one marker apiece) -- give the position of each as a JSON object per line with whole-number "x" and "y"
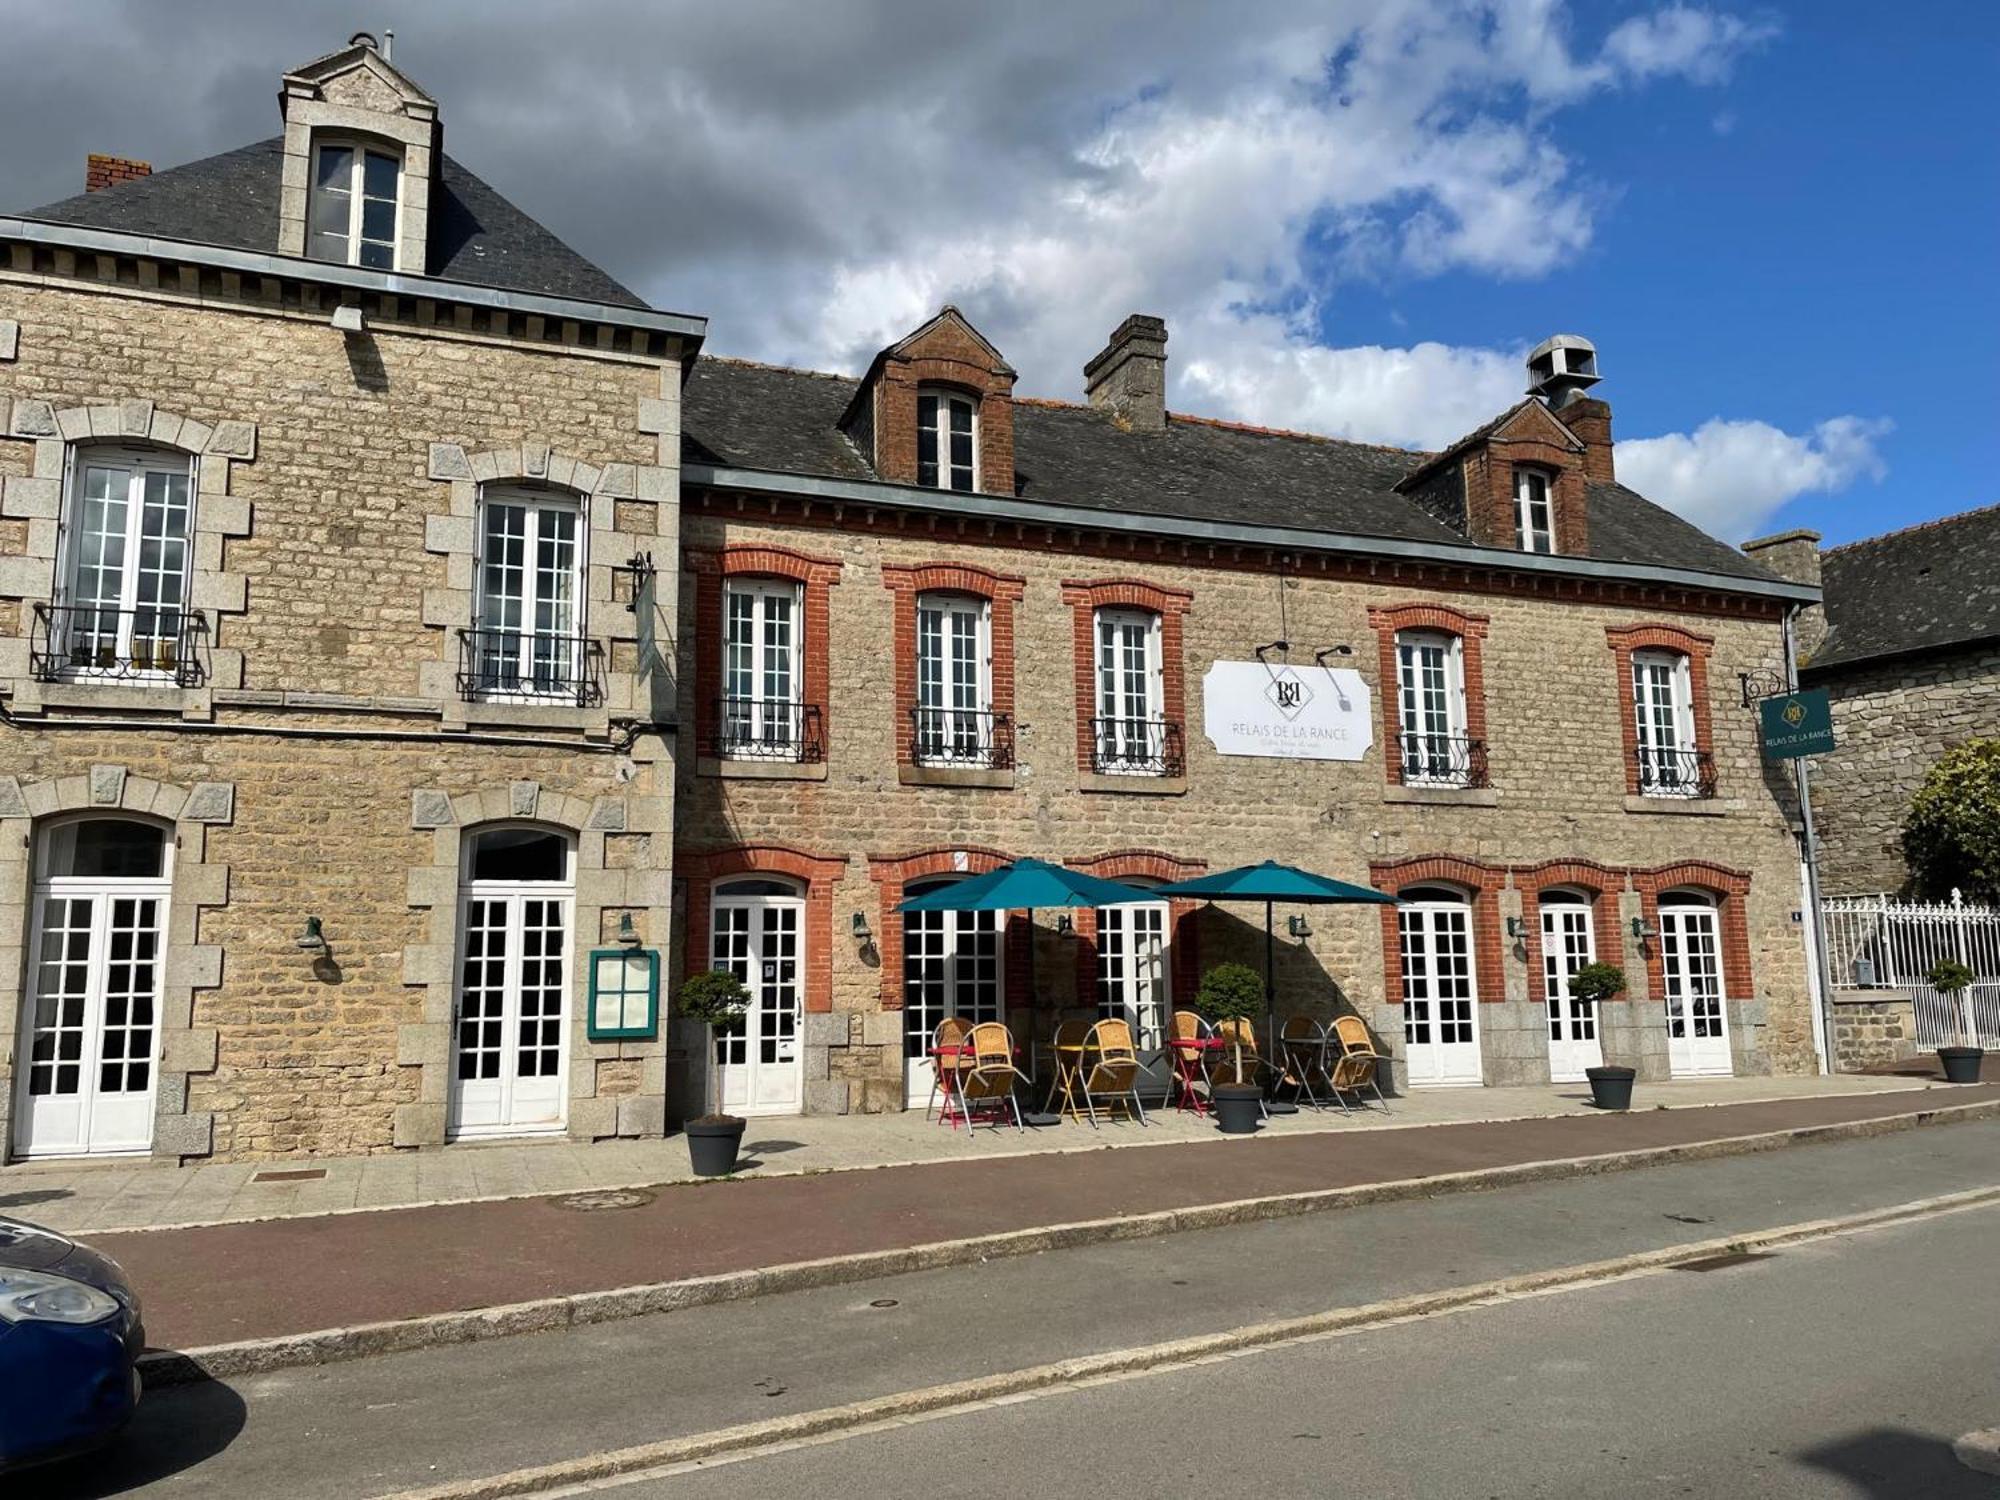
{"x": 1951, "y": 835}
{"x": 713, "y": 999}
{"x": 1598, "y": 981}
{"x": 1948, "y": 976}
{"x": 1228, "y": 991}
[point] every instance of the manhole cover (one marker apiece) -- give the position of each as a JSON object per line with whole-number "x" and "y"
{"x": 883, "y": 1302}
{"x": 609, "y": 1198}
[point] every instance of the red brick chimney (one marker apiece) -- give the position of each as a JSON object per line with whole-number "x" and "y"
{"x": 101, "y": 172}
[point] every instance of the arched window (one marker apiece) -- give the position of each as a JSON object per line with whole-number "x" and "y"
{"x": 121, "y": 610}
{"x": 1568, "y": 942}
{"x": 355, "y": 208}
{"x": 755, "y": 932}
{"x": 1440, "y": 986}
{"x": 1663, "y": 718}
{"x": 762, "y": 710}
{"x": 1534, "y": 510}
{"x": 1692, "y": 972}
{"x": 1128, "y": 727}
{"x": 1432, "y": 739}
{"x": 954, "y": 712}
{"x": 947, "y": 439}
{"x": 527, "y": 640}
{"x": 96, "y": 937}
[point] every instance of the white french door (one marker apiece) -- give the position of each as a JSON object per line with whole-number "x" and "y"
{"x": 1663, "y": 717}
{"x": 1130, "y": 688}
{"x": 1568, "y": 943}
{"x": 759, "y": 1068}
{"x": 125, "y": 586}
{"x": 1697, "y": 1019}
{"x": 1440, "y": 994}
{"x": 528, "y": 643}
{"x": 951, "y": 967}
{"x": 86, "y": 1067}
{"x": 511, "y": 1072}
{"x": 1430, "y": 699}
{"x": 954, "y": 680}
{"x": 1133, "y": 979}
{"x": 761, "y": 680}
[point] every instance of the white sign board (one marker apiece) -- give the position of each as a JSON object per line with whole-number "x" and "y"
{"x": 1287, "y": 712}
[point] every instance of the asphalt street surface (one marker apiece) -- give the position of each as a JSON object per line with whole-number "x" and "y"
{"x": 1895, "y": 1325}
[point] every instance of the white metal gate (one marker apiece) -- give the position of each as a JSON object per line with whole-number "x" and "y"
{"x": 1875, "y": 944}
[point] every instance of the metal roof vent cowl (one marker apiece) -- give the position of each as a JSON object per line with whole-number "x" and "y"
{"x": 1561, "y": 368}
{"x": 1128, "y": 377}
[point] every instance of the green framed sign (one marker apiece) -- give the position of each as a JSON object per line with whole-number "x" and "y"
{"x": 1796, "y": 724}
{"x": 624, "y": 994}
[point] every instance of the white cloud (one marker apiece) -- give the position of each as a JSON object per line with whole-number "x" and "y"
{"x": 1686, "y": 40}
{"x": 1728, "y": 477}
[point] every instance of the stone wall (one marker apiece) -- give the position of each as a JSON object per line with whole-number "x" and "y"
{"x": 1871, "y": 1032}
{"x": 1554, "y": 709}
{"x": 1891, "y": 722}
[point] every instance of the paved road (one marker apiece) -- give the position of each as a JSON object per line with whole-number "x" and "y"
{"x": 372, "y": 1427}
{"x": 1839, "y": 1368}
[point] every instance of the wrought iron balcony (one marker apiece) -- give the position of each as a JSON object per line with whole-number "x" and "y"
{"x": 1136, "y": 747}
{"x": 774, "y": 729}
{"x": 1441, "y": 760}
{"x": 962, "y": 737}
{"x": 525, "y": 666}
{"x": 92, "y": 643}
{"x": 1676, "y": 773}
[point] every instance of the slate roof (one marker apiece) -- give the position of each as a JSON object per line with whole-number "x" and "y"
{"x": 1927, "y": 588}
{"x": 231, "y": 200}
{"x": 751, "y": 416}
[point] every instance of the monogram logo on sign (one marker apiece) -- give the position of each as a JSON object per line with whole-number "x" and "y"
{"x": 1288, "y": 692}
{"x": 1794, "y": 713}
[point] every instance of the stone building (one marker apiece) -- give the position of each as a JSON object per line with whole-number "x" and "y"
{"x": 1907, "y": 645}
{"x": 356, "y": 537}
{"x": 329, "y": 483}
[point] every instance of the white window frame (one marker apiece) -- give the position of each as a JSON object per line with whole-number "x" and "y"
{"x": 1673, "y": 771}
{"x": 760, "y": 725}
{"x": 360, "y": 149}
{"x": 1534, "y": 510}
{"x": 150, "y": 665}
{"x": 939, "y": 428}
{"x": 521, "y": 678}
{"x": 1431, "y": 712}
{"x": 947, "y": 732}
{"x": 1128, "y": 736}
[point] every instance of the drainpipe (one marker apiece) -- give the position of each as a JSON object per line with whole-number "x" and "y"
{"x": 1821, "y": 976}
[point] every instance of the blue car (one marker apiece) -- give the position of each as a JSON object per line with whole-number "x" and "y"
{"x": 70, "y": 1339}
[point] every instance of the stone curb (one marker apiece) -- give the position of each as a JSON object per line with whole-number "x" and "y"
{"x": 1980, "y": 1450}
{"x": 329, "y": 1345}
{"x": 903, "y": 1406}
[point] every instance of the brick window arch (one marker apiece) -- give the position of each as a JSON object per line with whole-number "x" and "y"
{"x": 894, "y": 873}
{"x": 1469, "y": 630}
{"x": 1600, "y": 886}
{"x": 815, "y": 576}
{"x": 1001, "y": 591}
{"x": 1185, "y": 944}
{"x": 1730, "y": 890}
{"x": 1086, "y": 597}
{"x": 818, "y": 872}
{"x": 1626, "y": 641}
{"x": 1481, "y": 884}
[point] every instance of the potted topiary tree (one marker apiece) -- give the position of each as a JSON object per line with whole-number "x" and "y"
{"x": 713, "y": 999}
{"x": 1593, "y": 984}
{"x": 1961, "y": 1062}
{"x": 1230, "y": 992}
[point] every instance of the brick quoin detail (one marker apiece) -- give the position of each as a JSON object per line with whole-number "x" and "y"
{"x": 1600, "y": 883}
{"x": 1626, "y": 639}
{"x": 1731, "y": 892}
{"x": 893, "y": 874}
{"x": 752, "y": 560}
{"x": 1001, "y": 591}
{"x": 1085, "y": 598}
{"x": 1184, "y": 937}
{"x": 1481, "y": 882}
{"x": 1386, "y": 620}
{"x": 819, "y": 872}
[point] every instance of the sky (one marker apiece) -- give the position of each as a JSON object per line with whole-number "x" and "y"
{"x": 1777, "y": 221}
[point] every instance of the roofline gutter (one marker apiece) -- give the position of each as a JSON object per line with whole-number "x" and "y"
{"x": 1820, "y": 670}
{"x": 684, "y": 326}
{"x": 1044, "y": 513}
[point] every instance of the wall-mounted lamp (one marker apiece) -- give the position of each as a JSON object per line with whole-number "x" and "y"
{"x": 1642, "y": 929}
{"x": 1323, "y": 653}
{"x": 860, "y": 927}
{"x": 627, "y": 933}
{"x": 1280, "y": 645}
{"x": 1066, "y": 925}
{"x": 347, "y": 317}
{"x": 313, "y": 939}
{"x": 1517, "y": 927}
{"x": 1296, "y": 926}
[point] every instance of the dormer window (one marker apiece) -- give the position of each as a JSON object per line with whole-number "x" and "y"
{"x": 354, "y": 205}
{"x": 1534, "y": 514}
{"x": 946, "y": 424}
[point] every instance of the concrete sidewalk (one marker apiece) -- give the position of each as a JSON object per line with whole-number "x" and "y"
{"x": 103, "y": 1197}
{"x": 276, "y": 1278}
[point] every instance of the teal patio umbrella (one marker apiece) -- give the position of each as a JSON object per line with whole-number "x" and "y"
{"x": 1270, "y": 883}
{"x": 1025, "y": 885}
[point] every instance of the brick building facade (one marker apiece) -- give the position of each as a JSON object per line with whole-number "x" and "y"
{"x": 352, "y": 559}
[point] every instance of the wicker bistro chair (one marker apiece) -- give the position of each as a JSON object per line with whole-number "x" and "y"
{"x": 947, "y": 1072}
{"x": 1066, "y": 1048}
{"x": 1358, "y": 1066}
{"x": 1111, "y": 1070}
{"x": 1302, "y": 1044}
{"x": 990, "y": 1075}
{"x": 1188, "y": 1084}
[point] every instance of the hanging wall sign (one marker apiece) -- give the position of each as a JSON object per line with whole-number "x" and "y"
{"x": 1796, "y": 724}
{"x": 1287, "y": 712}
{"x": 624, "y": 994}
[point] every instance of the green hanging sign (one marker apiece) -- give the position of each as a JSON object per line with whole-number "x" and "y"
{"x": 1796, "y": 724}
